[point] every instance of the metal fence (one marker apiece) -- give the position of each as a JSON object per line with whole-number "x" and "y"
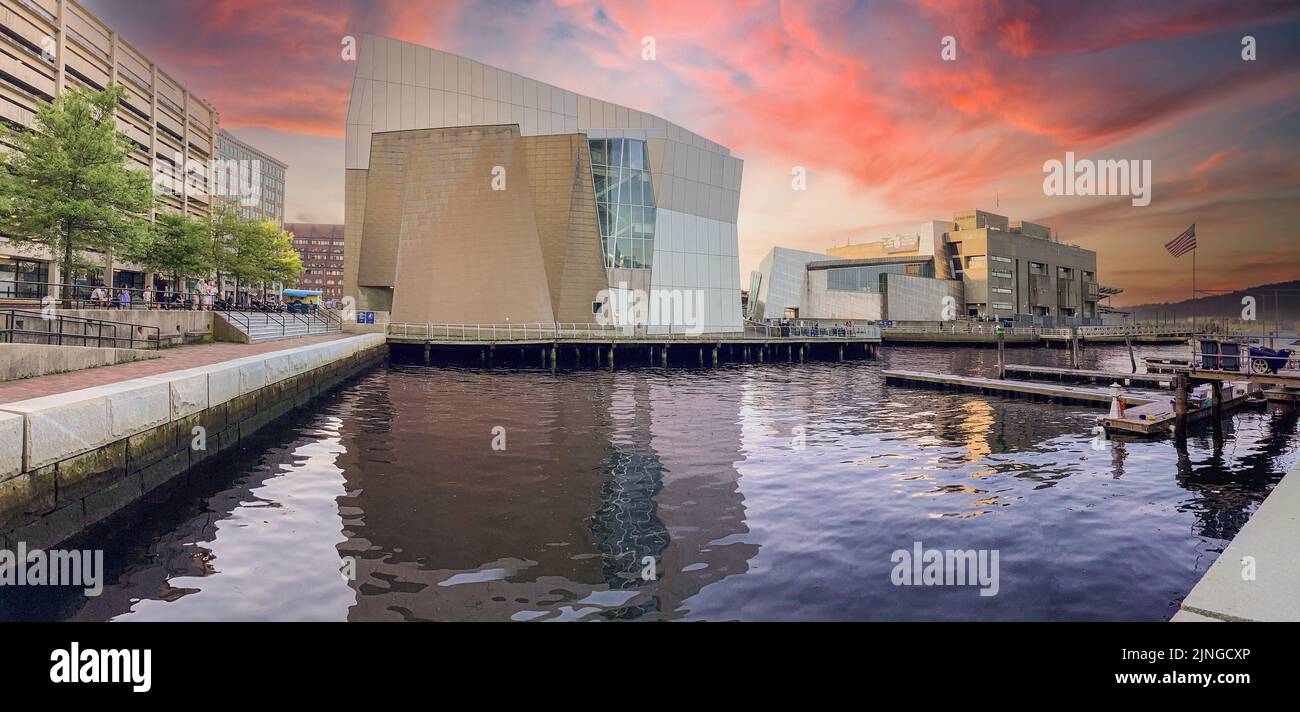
{"x": 1093, "y": 331}
{"x": 22, "y": 326}
{"x": 598, "y": 332}
{"x": 963, "y": 327}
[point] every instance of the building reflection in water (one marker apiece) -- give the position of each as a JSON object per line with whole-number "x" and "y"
{"x": 558, "y": 524}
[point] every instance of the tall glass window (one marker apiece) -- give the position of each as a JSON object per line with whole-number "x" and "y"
{"x": 625, "y": 201}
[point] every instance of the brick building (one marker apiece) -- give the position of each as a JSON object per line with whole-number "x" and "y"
{"x": 321, "y": 249}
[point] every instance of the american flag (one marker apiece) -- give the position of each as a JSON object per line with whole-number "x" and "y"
{"x": 1184, "y": 243}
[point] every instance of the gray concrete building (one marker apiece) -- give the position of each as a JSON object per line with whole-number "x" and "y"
{"x": 978, "y": 265}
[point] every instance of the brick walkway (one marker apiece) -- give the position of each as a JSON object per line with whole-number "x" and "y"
{"x": 177, "y": 358}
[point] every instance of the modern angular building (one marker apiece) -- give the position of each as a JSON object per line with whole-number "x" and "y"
{"x": 475, "y": 195}
{"x": 979, "y": 265}
{"x": 47, "y": 46}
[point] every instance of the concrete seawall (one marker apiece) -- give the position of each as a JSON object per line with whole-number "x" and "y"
{"x": 69, "y": 460}
{"x": 1257, "y": 578}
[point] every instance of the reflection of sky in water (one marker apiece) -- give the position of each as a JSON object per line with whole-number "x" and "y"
{"x": 777, "y": 492}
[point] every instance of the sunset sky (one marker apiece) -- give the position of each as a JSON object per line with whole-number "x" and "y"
{"x": 857, "y": 93}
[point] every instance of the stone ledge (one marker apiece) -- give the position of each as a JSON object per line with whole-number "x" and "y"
{"x": 1270, "y": 537}
{"x": 146, "y": 426}
{"x": 64, "y": 425}
{"x": 11, "y": 445}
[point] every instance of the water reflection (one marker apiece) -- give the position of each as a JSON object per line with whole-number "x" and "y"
{"x": 774, "y": 492}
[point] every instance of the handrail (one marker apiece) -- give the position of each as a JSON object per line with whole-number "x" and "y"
{"x": 560, "y": 331}
{"x": 12, "y": 315}
{"x": 239, "y": 317}
{"x": 78, "y": 295}
{"x": 1118, "y": 330}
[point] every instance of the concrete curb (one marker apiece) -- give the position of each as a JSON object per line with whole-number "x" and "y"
{"x": 1271, "y": 541}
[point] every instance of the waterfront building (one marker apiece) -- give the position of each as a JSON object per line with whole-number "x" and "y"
{"x": 252, "y": 181}
{"x": 48, "y": 46}
{"x": 321, "y": 249}
{"x": 266, "y": 203}
{"x": 477, "y": 195}
{"x": 979, "y": 265}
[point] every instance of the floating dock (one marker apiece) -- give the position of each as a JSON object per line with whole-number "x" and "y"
{"x": 1282, "y": 394}
{"x": 1076, "y": 375}
{"x": 1157, "y": 417}
{"x": 1146, "y": 413}
{"x": 1164, "y": 365}
{"x": 1013, "y": 389}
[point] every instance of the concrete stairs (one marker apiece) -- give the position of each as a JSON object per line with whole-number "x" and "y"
{"x": 255, "y": 327}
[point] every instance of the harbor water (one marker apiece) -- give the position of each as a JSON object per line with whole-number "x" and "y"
{"x": 772, "y": 492}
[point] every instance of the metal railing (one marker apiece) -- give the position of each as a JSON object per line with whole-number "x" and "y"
{"x": 1118, "y": 330}
{"x": 82, "y": 296}
{"x": 964, "y": 327}
{"x": 598, "y": 332}
{"x": 320, "y": 321}
{"x": 54, "y": 330}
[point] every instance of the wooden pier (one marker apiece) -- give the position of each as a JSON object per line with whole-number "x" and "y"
{"x": 1159, "y": 417}
{"x": 1282, "y": 394}
{"x": 1145, "y": 413}
{"x": 1076, "y": 375}
{"x": 1074, "y": 395}
{"x": 587, "y": 345}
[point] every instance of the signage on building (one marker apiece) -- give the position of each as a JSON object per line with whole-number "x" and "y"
{"x": 901, "y": 243}
{"x": 366, "y": 317}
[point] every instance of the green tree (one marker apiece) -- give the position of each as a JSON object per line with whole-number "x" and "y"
{"x": 223, "y": 222}
{"x": 255, "y": 252}
{"x": 284, "y": 264}
{"x": 180, "y": 247}
{"x": 67, "y": 187}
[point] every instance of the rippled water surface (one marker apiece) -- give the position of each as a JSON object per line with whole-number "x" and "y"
{"x": 759, "y": 492}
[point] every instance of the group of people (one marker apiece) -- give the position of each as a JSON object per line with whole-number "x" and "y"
{"x": 104, "y": 299}
{"x": 203, "y": 297}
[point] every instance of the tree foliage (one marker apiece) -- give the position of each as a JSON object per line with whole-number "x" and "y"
{"x": 67, "y": 187}
{"x": 179, "y": 246}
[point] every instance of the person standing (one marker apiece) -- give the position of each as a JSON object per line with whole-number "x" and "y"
{"x": 124, "y": 299}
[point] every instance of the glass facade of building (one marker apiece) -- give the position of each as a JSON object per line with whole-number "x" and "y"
{"x": 625, "y": 202}
{"x": 867, "y": 279}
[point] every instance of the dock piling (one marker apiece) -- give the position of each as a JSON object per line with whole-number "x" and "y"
{"x": 1002, "y": 356}
{"x": 1180, "y": 405}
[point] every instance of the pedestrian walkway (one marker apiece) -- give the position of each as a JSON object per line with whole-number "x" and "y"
{"x": 177, "y": 358}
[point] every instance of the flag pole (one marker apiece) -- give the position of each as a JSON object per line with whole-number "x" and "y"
{"x": 1193, "y": 291}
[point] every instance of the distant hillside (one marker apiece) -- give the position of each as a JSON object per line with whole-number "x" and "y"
{"x": 1282, "y": 299}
